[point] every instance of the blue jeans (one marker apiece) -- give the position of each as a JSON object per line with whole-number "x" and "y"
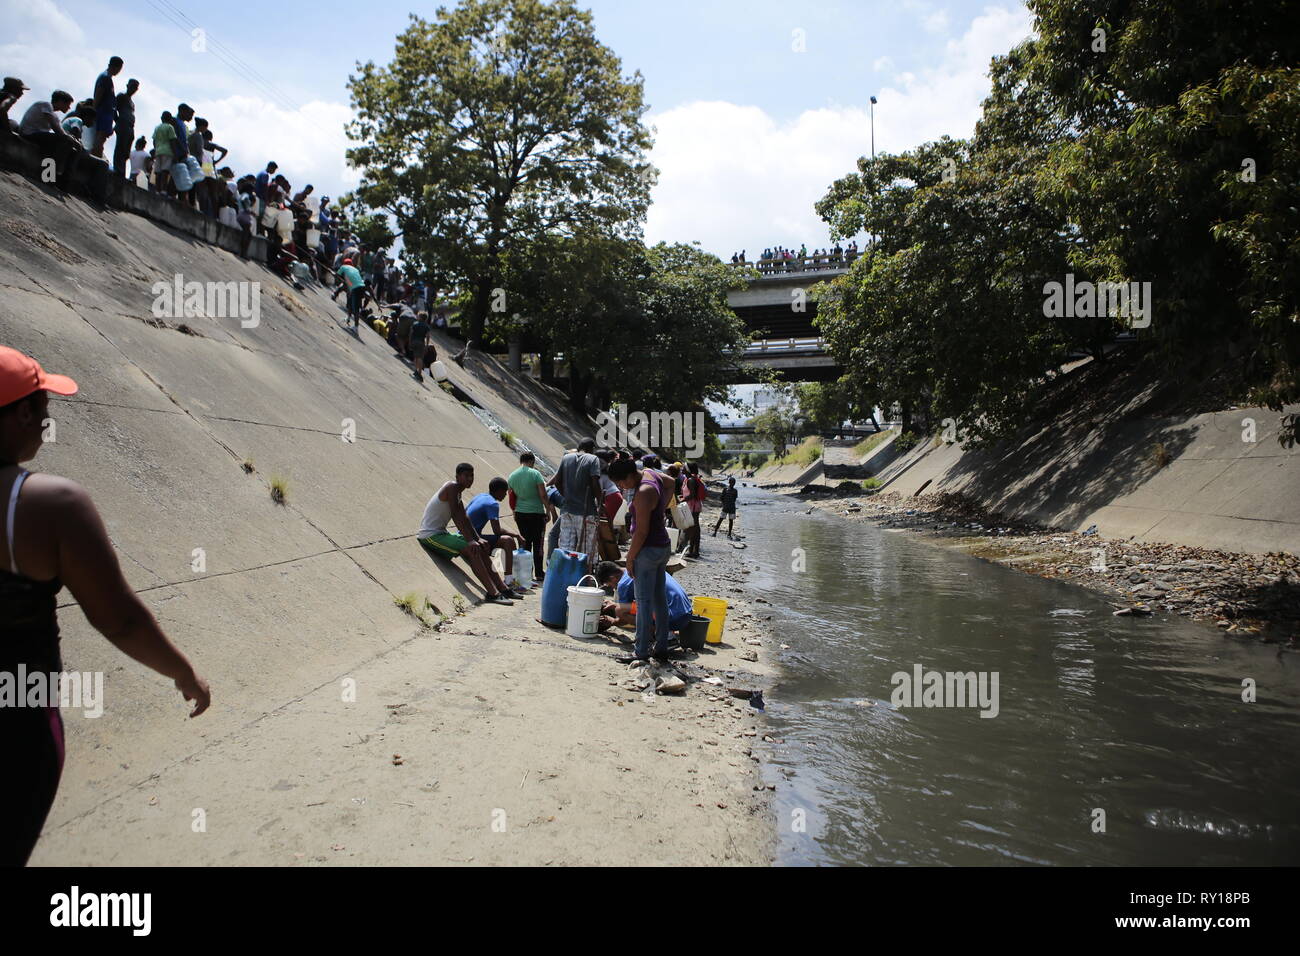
{"x": 650, "y": 580}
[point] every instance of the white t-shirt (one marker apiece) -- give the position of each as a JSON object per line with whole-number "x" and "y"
{"x": 436, "y": 515}
{"x": 138, "y": 159}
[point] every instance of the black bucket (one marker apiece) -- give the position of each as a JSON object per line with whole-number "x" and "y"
{"x": 694, "y": 632}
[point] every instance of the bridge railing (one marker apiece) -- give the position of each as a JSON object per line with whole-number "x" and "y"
{"x": 785, "y": 346}
{"x": 820, "y": 263}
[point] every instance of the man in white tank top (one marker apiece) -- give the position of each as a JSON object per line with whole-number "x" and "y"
{"x": 434, "y": 537}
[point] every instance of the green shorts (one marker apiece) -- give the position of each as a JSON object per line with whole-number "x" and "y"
{"x": 447, "y": 544}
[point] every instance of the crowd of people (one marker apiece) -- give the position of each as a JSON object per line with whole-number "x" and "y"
{"x": 595, "y": 501}
{"x": 779, "y": 258}
{"x": 181, "y": 160}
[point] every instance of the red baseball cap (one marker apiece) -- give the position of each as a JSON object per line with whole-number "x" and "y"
{"x": 21, "y": 375}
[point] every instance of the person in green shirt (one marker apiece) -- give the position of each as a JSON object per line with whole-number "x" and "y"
{"x": 532, "y": 509}
{"x": 164, "y": 140}
{"x": 350, "y": 279}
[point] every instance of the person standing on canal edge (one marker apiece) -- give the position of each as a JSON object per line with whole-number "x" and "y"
{"x": 578, "y": 478}
{"x": 729, "y": 496}
{"x": 647, "y": 557}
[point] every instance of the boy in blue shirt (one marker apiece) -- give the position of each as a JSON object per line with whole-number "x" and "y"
{"x": 486, "y": 507}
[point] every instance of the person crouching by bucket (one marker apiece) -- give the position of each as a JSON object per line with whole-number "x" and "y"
{"x": 620, "y": 611}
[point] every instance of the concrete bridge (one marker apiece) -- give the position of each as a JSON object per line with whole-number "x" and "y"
{"x": 778, "y": 308}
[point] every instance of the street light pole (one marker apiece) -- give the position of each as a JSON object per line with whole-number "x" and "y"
{"x": 873, "y": 127}
{"x": 873, "y": 146}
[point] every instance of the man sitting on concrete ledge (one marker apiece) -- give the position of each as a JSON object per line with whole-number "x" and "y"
{"x": 41, "y": 127}
{"x": 437, "y": 540}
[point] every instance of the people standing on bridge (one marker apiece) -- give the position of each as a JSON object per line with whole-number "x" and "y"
{"x": 729, "y": 496}
{"x": 54, "y": 536}
{"x": 445, "y": 506}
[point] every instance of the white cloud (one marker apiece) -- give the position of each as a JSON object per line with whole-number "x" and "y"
{"x": 733, "y": 177}
{"x": 936, "y": 22}
{"x": 884, "y": 63}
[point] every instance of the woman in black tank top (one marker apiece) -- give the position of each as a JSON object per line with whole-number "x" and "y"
{"x": 35, "y": 561}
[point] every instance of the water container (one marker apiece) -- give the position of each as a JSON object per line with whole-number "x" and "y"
{"x": 284, "y": 224}
{"x": 715, "y": 609}
{"x": 313, "y": 238}
{"x": 566, "y": 568}
{"x": 584, "y": 608}
{"x": 439, "y": 372}
{"x": 696, "y": 632}
{"x": 181, "y": 177}
{"x": 523, "y": 563}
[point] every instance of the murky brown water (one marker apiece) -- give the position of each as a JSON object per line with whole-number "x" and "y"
{"x": 1141, "y": 719}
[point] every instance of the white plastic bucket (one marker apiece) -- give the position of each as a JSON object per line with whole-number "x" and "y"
{"x": 584, "y": 609}
{"x": 439, "y": 372}
{"x": 523, "y": 564}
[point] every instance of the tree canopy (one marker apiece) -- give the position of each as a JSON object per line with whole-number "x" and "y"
{"x": 498, "y": 124}
{"x": 1129, "y": 141}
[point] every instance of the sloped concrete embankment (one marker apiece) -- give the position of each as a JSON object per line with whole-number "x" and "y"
{"x": 289, "y": 597}
{"x": 1191, "y": 480}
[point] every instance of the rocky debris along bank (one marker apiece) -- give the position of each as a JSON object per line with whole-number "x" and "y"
{"x": 1248, "y": 595}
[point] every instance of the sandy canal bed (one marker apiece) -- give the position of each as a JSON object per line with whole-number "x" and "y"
{"x": 490, "y": 740}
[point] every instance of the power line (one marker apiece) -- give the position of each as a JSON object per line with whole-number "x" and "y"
{"x": 179, "y": 20}
{"x": 233, "y": 57}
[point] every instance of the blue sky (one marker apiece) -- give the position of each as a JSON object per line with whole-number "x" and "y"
{"x": 758, "y": 105}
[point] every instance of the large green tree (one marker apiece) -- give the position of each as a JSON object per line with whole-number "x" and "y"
{"x": 498, "y": 123}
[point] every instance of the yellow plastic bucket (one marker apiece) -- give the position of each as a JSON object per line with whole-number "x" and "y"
{"x": 715, "y": 609}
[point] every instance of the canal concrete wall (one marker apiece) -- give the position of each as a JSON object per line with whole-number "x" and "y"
{"x": 1217, "y": 480}
{"x": 269, "y": 599}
